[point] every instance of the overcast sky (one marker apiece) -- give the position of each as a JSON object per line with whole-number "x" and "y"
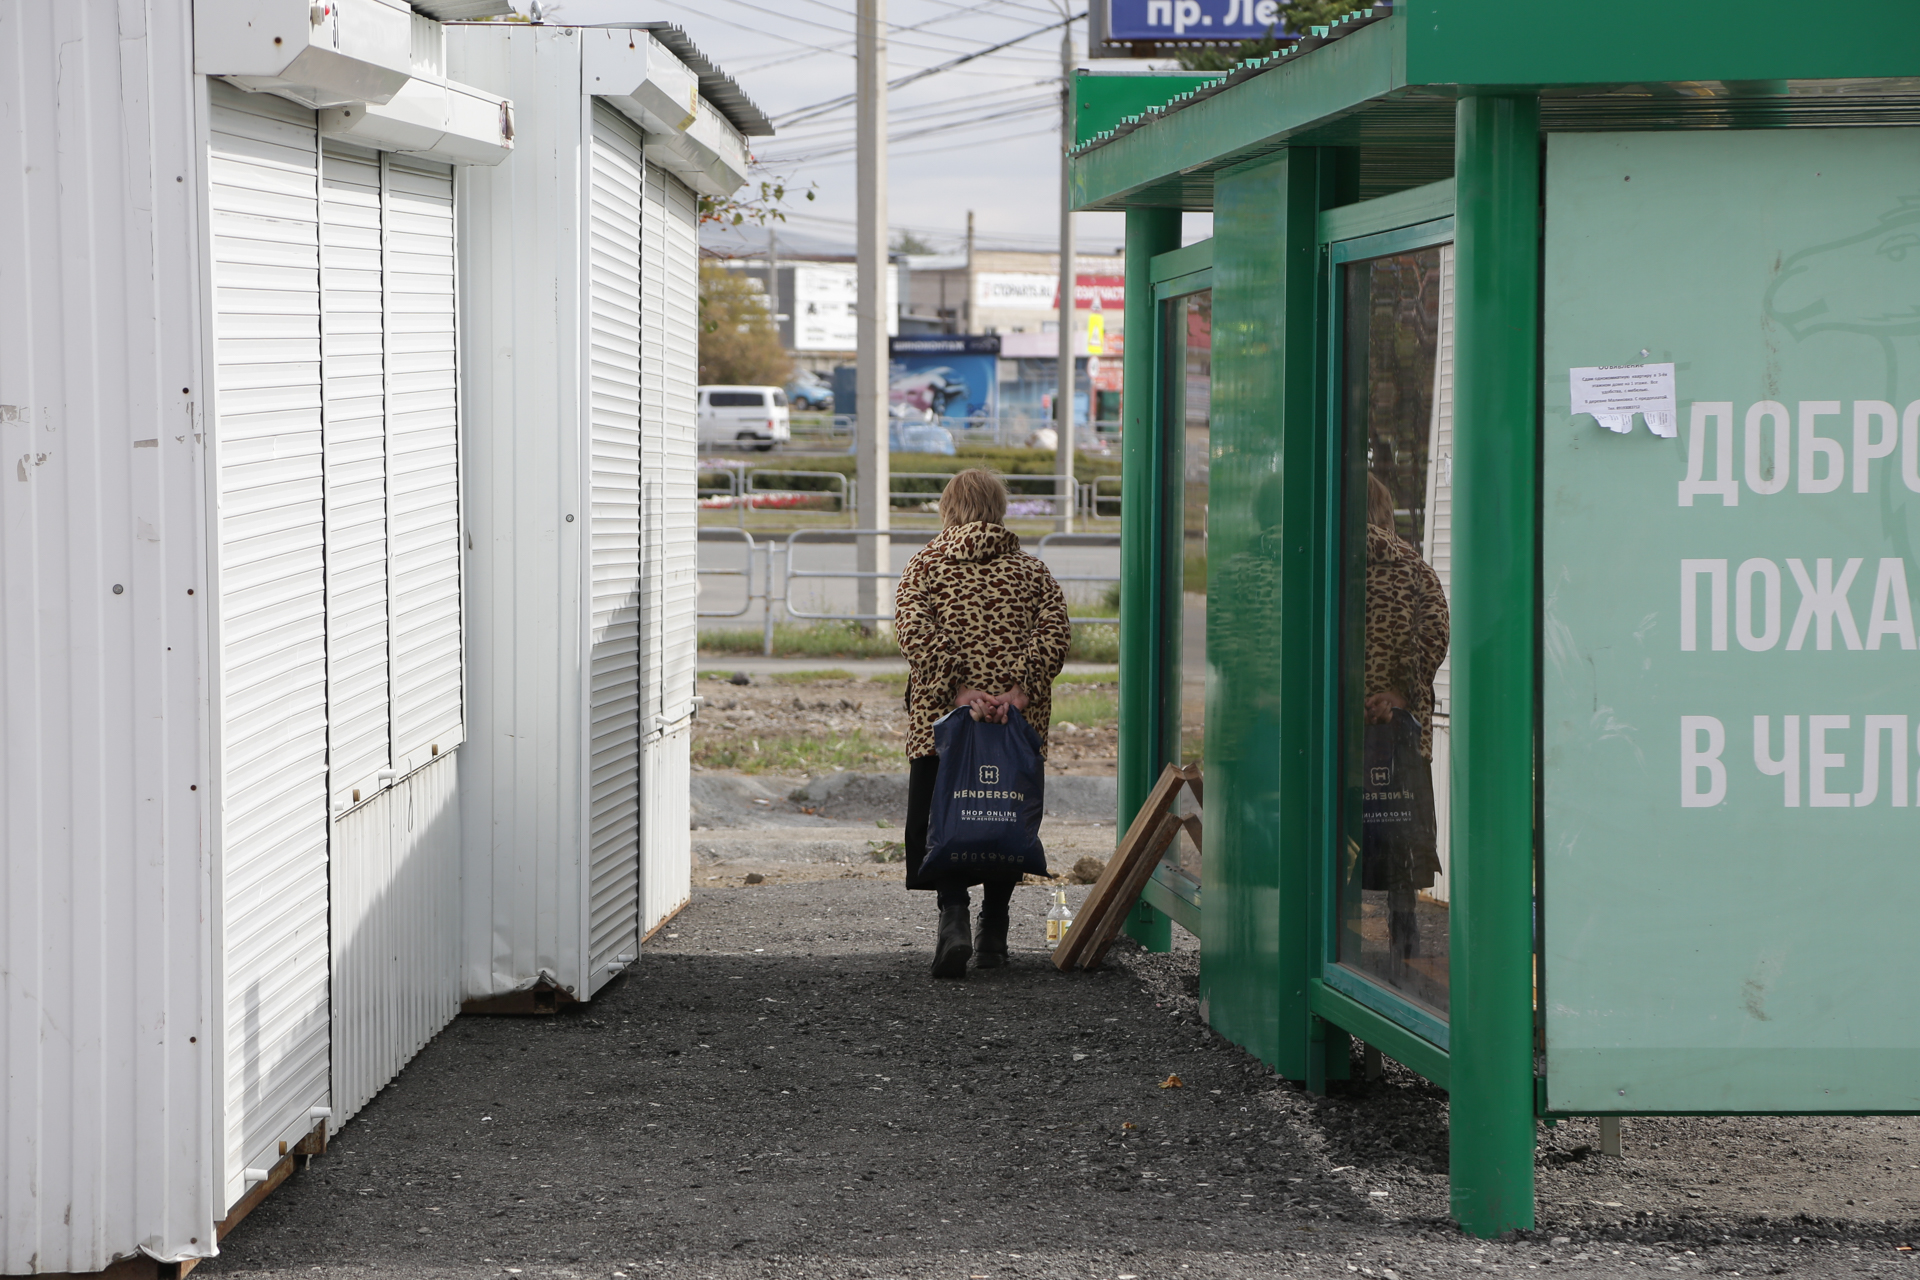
{"x": 988, "y": 132}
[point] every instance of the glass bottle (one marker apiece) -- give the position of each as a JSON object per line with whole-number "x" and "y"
{"x": 1059, "y": 919}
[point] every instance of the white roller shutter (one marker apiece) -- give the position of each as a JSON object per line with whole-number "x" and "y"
{"x": 264, "y": 216}
{"x": 617, "y": 179}
{"x": 679, "y": 637}
{"x": 423, "y": 488}
{"x": 669, "y": 546}
{"x": 653, "y": 431}
{"x": 353, "y": 352}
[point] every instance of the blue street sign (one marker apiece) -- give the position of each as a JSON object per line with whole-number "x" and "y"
{"x": 1192, "y": 19}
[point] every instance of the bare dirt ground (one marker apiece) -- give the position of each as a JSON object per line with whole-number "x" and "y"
{"x": 799, "y": 706}
{"x": 778, "y": 1089}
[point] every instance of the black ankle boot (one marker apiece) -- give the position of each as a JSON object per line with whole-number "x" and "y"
{"x": 952, "y": 951}
{"x": 990, "y": 943}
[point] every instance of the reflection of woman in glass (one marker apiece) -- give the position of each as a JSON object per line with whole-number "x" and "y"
{"x": 1406, "y": 641}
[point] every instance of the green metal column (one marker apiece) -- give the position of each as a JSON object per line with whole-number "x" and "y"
{"x": 1143, "y": 537}
{"x": 1495, "y": 415}
{"x": 1263, "y": 495}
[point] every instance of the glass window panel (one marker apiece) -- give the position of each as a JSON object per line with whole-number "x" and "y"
{"x": 1188, "y": 379}
{"x": 1394, "y": 623}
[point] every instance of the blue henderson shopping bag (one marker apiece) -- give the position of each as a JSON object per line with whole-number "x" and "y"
{"x": 988, "y": 796}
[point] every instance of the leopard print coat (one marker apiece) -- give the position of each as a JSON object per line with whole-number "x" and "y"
{"x": 1407, "y": 626}
{"x": 975, "y": 611}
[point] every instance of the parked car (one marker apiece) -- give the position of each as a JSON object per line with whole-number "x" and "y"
{"x": 810, "y": 395}
{"x": 751, "y": 417}
{"x": 913, "y": 436}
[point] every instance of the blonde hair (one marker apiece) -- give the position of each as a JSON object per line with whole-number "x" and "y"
{"x": 1380, "y": 504}
{"x": 974, "y": 494}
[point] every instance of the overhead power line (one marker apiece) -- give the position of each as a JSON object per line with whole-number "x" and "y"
{"x": 821, "y": 108}
{"x": 788, "y": 17}
{"x": 843, "y": 148}
{"x": 931, "y": 111}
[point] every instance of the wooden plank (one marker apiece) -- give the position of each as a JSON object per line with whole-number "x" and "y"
{"x": 1139, "y": 871}
{"x": 1122, "y": 866}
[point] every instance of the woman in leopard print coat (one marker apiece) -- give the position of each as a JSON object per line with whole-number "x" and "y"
{"x": 983, "y": 625}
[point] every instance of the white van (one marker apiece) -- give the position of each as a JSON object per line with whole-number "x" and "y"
{"x": 750, "y": 417}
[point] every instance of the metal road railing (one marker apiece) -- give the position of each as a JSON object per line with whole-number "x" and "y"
{"x": 745, "y": 571}
{"x": 1080, "y": 540}
{"x": 798, "y": 536}
{"x": 837, "y": 487}
{"x": 1059, "y": 490}
{"x": 1095, "y": 498}
{"x": 776, "y": 562}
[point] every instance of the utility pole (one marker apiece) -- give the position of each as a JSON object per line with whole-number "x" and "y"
{"x": 1063, "y": 395}
{"x": 875, "y": 483}
{"x": 966, "y": 306}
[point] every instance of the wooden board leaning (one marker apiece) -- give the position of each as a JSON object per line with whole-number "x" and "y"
{"x": 1153, "y": 828}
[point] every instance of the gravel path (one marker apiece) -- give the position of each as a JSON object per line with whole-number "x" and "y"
{"x": 779, "y": 1089}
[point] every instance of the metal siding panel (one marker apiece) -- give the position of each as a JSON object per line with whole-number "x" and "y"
{"x": 264, "y": 211}
{"x": 523, "y": 432}
{"x": 423, "y": 474}
{"x": 104, "y": 865}
{"x": 354, "y": 372}
{"x": 616, "y": 179}
{"x": 396, "y": 930}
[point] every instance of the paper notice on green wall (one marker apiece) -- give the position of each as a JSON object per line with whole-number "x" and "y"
{"x": 1731, "y": 684}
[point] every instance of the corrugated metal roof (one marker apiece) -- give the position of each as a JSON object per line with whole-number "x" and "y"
{"x": 461, "y": 10}
{"x": 716, "y": 86}
{"x": 1338, "y": 29}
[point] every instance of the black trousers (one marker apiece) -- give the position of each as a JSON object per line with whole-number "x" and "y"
{"x": 951, "y": 891}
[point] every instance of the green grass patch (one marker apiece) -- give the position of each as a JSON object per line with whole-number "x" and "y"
{"x": 1096, "y": 642}
{"x": 791, "y": 640}
{"x": 811, "y": 677}
{"x": 1087, "y": 708}
{"x": 795, "y": 752}
{"x": 1088, "y": 677}
{"x": 898, "y": 679}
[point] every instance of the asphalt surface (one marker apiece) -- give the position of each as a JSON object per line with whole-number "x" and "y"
{"x": 780, "y": 1089}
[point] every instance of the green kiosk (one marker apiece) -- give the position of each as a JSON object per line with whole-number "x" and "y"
{"x": 1549, "y": 396}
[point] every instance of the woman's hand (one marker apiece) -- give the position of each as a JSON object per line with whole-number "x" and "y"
{"x": 1382, "y": 705}
{"x": 1014, "y": 697}
{"x": 982, "y": 704}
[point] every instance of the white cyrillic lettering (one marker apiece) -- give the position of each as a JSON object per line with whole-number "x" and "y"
{"x": 1814, "y": 445}
{"x": 1267, "y": 12}
{"x": 1910, "y": 446}
{"x": 1825, "y": 601}
{"x": 1233, "y": 13}
{"x": 1743, "y": 605}
{"x": 1895, "y": 727}
{"x": 1788, "y": 765}
{"x": 1892, "y": 613}
{"x": 1866, "y": 449}
{"x": 1772, "y": 476}
{"x": 1693, "y": 759}
{"x": 1819, "y": 760}
{"x": 1159, "y": 13}
{"x": 1690, "y": 571}
{"x": 1186, "y": 13}
{"x": 1725, "y": 485}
